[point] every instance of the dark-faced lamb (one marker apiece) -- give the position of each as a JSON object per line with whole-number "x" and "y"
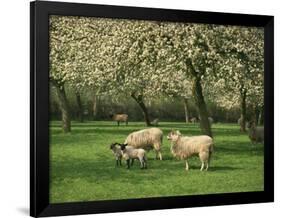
{"x": 184, "y": 147}
{"x": 146, "y": 139}
{"x": 120, "y": 118}
{"x": 130, "y": 153}
{"x": 116, "y": 150}
{"x": 256, "y": 134}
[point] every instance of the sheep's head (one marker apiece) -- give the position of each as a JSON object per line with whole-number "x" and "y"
{"x": 174, "y": 135}
{"x": 123, "y": 146}
{"x": 113, "y": 145}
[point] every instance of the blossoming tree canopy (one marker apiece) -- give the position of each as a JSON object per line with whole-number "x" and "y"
{"x": 146, "y": 59}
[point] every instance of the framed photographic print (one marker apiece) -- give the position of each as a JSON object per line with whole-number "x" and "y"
{"x": 141, "y": 109}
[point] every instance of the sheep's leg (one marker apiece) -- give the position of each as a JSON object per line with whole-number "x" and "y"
{"x": 141, "y": 163}
{"x": 156, "y": 155}
{"x": 186, "y": 165}
{"x": 207, "y": 165}
{"x": 120, "y": 162}
{"x": 128, "y": 164}
{"x": 132, "y": 162}
{"x": 144, "y": 162}
{"x": 117, "y": 163}
{"x": 160, "y": 155}
{"x": 202, "y": 166}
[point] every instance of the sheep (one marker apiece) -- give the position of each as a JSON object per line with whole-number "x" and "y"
{"x": 147, "y": 139}
{"x": 193, "y": 120}
{"x": 120, "y": 118}
{"x": 155, "y": 122}
{"x": 256, "y": 134}
{"x": 117, "y": 153}
{"x": 130, "y": 153}
{"x": 184, "y": 147}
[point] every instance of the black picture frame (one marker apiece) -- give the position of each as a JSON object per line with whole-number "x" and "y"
{"x": 39, "y": 118}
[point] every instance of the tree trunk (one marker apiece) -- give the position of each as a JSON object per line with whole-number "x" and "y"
{"x": 186, "y": 111}
{"x": 202, "y": 108}
{"x": 139, "y": 100}
{"x": 64, "y": 107}
{"x": 94, "y": 106}
{"x": 243, "y": 95}
{"x": 80, "y": 107}
{"x": 260, "y": 118}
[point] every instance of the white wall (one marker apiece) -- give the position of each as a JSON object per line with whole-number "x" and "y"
{"x": 14, "y": 106}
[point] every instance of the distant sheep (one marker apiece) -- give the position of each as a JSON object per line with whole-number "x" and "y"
{"x": 193, "y": 120}
{"x": 184, "y": 147}
{"x": 120, "y": 118}
{"x": 130, "y": 153}
{"x": 117, "y": 153}
{"x": 147, "y": 139}
{"x": 256, "y": 134}
{"x": 155, "y": 122}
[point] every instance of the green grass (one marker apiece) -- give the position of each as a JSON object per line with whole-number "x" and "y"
{"x": 83, "y": 166}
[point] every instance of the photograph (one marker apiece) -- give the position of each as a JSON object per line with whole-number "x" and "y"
{"x": 148, "y": 108}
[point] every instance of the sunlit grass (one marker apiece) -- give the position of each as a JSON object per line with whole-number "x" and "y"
{"x": 83, "y": 167}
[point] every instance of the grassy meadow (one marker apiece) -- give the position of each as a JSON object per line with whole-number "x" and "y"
{"x": 83, "y": 167}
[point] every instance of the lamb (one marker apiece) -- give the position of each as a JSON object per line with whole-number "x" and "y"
{"x": 146, "y": 139}
{"x": 117, "y": 153}
{"x": 184, "y": 147}
{"x": 120, "y": 118}
{"x": 256, "y": 134}
{"x": 155, "y": 122}
{"x": 130, "y": 153}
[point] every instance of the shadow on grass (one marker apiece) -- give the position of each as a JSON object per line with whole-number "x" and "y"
{"x": 223, "y": 168}
{"x": 234, "y": 147}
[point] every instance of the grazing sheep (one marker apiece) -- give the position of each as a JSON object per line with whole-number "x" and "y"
{"x": 147, "y": 139}
{"x": 256, "y": 134}
{"x": 193, "y": 120}
{"x": 120, "y": 118}
{"x": 117, "y": 153}
{"x": 184, "y": 147}
{"x": 130, "y": 153}
{"x": 155, "y": 122}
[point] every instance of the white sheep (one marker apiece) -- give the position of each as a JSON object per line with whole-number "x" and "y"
{"x": 256, "y": 134}
{"x": 184, "y": 147}
{"x": 130, "y": 153}
{"x": 117, "y": 153}
{"x": 146, "y": 139}
{"x": 120, "y": 118}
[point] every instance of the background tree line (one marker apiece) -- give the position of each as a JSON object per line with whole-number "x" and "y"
{"x": 200, "y": 66}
